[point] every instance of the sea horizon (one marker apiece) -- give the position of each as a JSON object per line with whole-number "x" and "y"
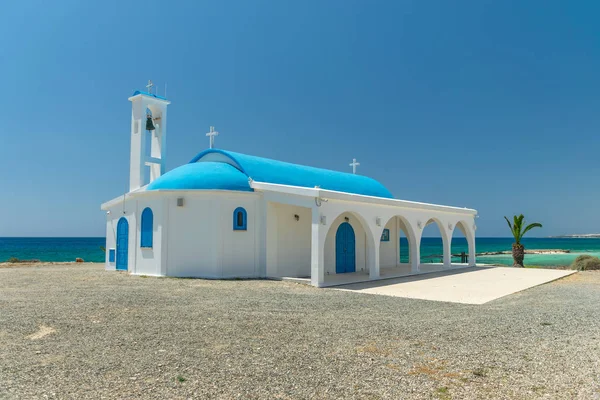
{"x": 89, "y": 248}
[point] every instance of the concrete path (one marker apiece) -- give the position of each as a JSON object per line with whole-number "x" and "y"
{"x": 470, "y": 285}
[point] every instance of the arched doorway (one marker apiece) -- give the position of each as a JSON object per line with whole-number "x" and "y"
{"x": 396, "y": 243}
{"x": 433, "y": 243}
{"x": 122, "y": 244}
{"x": 345, "y": 249}
{"x": 462, "y": 244}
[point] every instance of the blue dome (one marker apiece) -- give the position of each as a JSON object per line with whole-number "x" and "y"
{"x": 205, "y": 175}
{"x": 226, "y": 170}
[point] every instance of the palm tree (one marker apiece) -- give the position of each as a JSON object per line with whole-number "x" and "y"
{"x": 518, "y": 250}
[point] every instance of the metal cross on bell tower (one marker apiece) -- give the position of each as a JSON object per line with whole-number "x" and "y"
{"x": 149, "y": 86}
{"x": 212, "y": 135}
{"x": 354, "y": 164}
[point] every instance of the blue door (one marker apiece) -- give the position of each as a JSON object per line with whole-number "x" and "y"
{"x": 122, "y": 244}
{"x": 345, "y": 250}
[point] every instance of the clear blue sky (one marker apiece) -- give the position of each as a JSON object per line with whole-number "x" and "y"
{"x": 488, "y": 105}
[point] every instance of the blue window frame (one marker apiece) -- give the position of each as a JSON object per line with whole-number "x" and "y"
{"x": 240, "y": 219}
{"x": 146, "y": 228}
{"x": 385, "y": 235}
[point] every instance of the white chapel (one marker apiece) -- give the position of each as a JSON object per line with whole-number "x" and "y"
{"x": 231, "y": 215}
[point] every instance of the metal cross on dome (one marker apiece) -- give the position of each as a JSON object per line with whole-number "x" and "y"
{"x": 149, "y": 86}
{"x": 212, "y": 135}
{"x": 354, "y": 164}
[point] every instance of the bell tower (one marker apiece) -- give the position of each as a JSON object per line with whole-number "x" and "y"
{"x": 148, "y": 137}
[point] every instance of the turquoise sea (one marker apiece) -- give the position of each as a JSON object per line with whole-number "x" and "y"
{"x": 577, "y": 246}
{"x": 67, "y": 249}
{"x": 52, "y": 249}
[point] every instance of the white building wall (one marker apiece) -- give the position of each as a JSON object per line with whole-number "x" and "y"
{"x": 271, "y": 237}
{"x": 360, "y": 242}
{"x": 111, "y": 241}
{"x": 198, "y": 240}
{"x": 148, "y": 260}
{"x": 192, "y": 240}
{"x": 389, "y": 252}
{"x": 238, "y": 249}
{"x": 201, "y": 240}
{"x": 289, "y": 240}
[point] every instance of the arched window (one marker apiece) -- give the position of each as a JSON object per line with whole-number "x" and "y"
{"x": 147, "y": 226}
{"x": 240, "y": 220}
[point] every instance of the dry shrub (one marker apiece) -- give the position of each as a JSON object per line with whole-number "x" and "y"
{"x": 586, "y": 263}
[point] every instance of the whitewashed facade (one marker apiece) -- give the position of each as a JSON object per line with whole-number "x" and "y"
{"x": 300, "y": 230}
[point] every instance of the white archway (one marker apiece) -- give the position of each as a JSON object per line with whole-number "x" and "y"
{"x": 469, "y": 235}
{"x": 445, "y": 248}
{"x": 391, "y": 252}
{"x": 367, "y": 255}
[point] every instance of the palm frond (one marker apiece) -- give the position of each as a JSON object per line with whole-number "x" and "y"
{"x": 520, "y": 219}
{"x": 512, "y": 230}
{"x": 530, "y": 227}
{"x": 516, "y": 228}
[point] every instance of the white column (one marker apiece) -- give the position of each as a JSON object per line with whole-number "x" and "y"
{"x": 161, "y": 219}
{"x": 317, "y": 264}
{"x": 415, "y": 254}
{"x": 264, "y": 245}
{"x": 398, "y": 234}
{"x": 471, "y": 241}
{"x": 447, "y": 245}
{"x": 373, "y": 255}
{"x": 163, "y": 141}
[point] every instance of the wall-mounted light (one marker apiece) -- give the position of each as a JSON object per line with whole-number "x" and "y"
{"x": 419, "y": 224}
{"x": 378, "y": 221}
{"x": 296, "y": 217}
{"x": 347, "y": 219}
{"x": 320, "y": 200}
{"x": 180, "y": 202}
{"x": 450, "y": 226}
{"x": 323, "y": 220}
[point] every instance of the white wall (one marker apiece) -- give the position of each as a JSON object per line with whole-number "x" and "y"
{"x": 192, "y": 239}
{"x": 389, "y": 251}
{"x": 111, "y": 240}
{"x": 360, "y": 242}
{"x": 148, "y": 260}
{"x": 198, "y": 240}
{"x": 201, "y": 240}
{"x": 288, "y": 240}
{"x": 239, "y": 249}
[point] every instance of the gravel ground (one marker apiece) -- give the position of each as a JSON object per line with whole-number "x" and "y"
{"x": 78, "y": 332}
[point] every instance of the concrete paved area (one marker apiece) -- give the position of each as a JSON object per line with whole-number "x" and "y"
{"x": 400, "y": 271}
{"x": 477, "y": 285}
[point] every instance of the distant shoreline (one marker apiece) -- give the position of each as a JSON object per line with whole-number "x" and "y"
{"x": 549, "y": 251}
{"x": 580, "y": 236}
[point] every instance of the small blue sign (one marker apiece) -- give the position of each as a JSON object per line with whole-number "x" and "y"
{"x": 111, "y": 255}
{"x": 385, "y": 235}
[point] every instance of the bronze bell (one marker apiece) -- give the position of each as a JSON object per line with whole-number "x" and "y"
{"x": 149, "y": 124}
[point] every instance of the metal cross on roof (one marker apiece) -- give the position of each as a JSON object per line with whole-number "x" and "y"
{"x": 149, "y": 86}
{"x": 354, "y": 164}
{"x": 212, "y": 135}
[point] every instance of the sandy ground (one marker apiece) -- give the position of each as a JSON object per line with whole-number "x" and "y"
{"x": 78, "y": 332}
